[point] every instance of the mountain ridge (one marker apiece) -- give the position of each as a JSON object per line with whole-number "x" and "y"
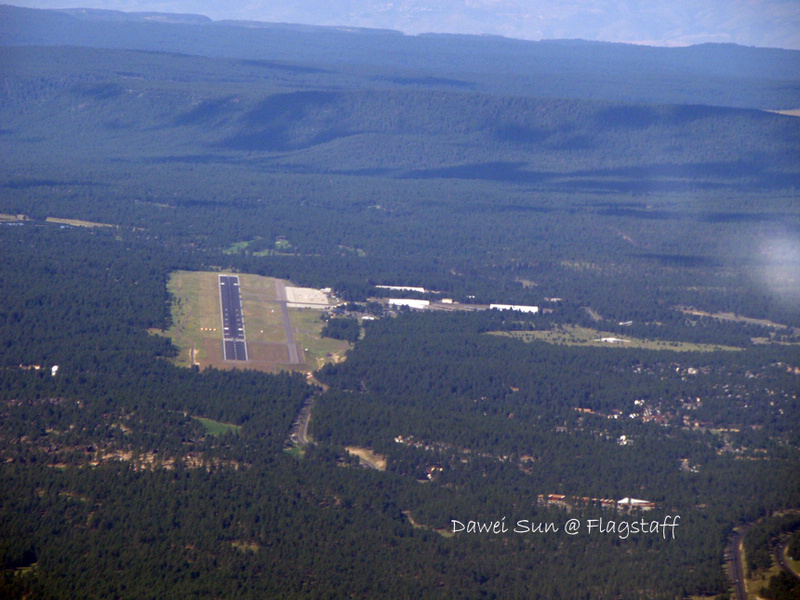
{"x": 765, "y": 23}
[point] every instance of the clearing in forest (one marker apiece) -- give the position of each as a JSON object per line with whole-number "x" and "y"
{"x": 377, "y": 461}
{"x": 77, "y": 222}
{"x": 272, "y": 326}
{"x": 572, "y": 335}
{"x": 721, "y": 316}
{"x": 217, "y": 428}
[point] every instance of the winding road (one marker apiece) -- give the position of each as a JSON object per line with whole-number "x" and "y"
{"x": 298, "y": 435}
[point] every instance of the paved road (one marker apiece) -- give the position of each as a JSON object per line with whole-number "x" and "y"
{"x": 736, "y": 568}
{"x": 298, "y": 435}
{"x": 291, "y": 345}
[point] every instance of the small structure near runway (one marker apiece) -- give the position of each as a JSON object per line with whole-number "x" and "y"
{"x": 300, "y": 297}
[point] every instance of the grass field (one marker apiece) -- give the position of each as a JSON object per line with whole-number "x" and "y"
{"x": 7, "y": 218}
{"x": 584, "y": 336}
{"x": 734, "y": 317}
{"x": 246, "y": 547}
{"x": 445, "y": 533}
{"x": 280, "y": 247}
{"x": 317, "y": 349}
{"x": 262, "y": 318}
{"x": 794, "y": 565}
{"x": 298, "y": 452}
{"x": 368, "y": 455}
{"x": 197, "y": 325}
{"x": 236, "y": 248}
{"x": 759, "y": 581}
{"x": 217, "y": 428}
{"x": 77, "y": 222}
{"x": 196, "y": 317}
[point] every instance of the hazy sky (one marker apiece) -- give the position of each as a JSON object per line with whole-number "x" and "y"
{"x": 772, "y": 23}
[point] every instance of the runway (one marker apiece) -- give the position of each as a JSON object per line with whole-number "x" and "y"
{"x": 234, "y": 341}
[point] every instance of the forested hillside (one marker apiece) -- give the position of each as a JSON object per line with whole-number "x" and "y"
{"x": 640, "y": 197}
{"x": 169, "y": 144}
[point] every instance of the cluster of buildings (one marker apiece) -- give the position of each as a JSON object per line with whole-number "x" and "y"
{"x": 321, "y": 299}
{"x": 449, "y": 304}
{"x": 53, "y": 369}
{"x": 570, "y": 502}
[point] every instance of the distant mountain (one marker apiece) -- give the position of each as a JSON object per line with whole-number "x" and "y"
{"x": 710, "y": 74}
{"x": 93, "y": 14}
{"x": 768, "y": 23}
{"x": 763, "y": 23}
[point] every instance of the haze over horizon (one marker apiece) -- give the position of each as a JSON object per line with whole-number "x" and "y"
{"x": 765, "y": 23}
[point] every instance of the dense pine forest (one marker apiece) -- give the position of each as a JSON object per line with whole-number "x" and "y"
{"x": 644, "y": 193}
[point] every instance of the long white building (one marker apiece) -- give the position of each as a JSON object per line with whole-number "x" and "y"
{"x": 410, "y": 303}
{"x": 519, "y": 307}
